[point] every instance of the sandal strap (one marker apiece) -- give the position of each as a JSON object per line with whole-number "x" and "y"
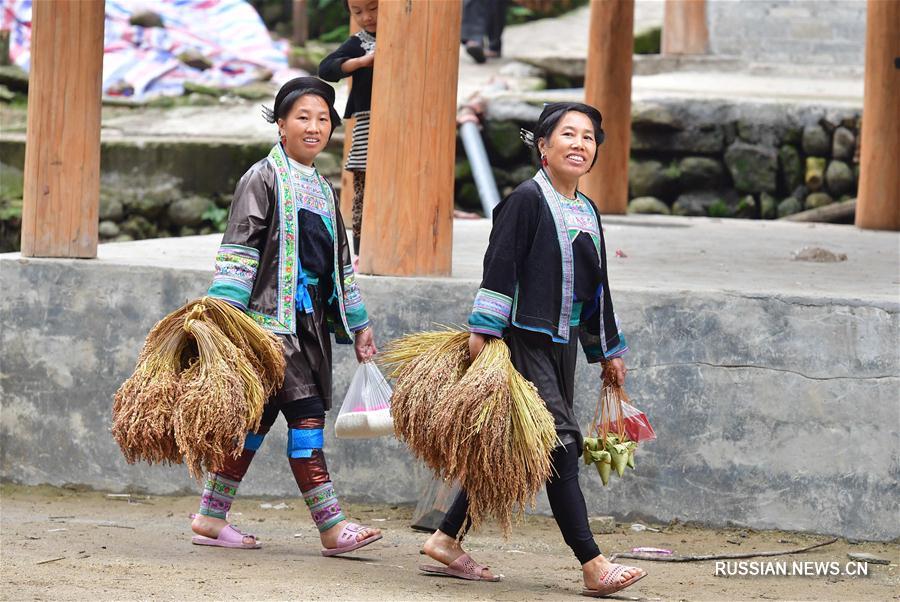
{"x": 467, "y": 565}
{"x": 612, "y": 575}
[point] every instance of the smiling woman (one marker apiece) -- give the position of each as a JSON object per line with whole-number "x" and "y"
{"x": 544, "y": 288}
{"x": 285, "y": 261}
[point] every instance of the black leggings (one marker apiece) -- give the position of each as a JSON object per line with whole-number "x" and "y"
{"x": 566, "y": 501}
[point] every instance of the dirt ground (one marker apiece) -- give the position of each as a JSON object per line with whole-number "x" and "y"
{"x": 59, "y": 544}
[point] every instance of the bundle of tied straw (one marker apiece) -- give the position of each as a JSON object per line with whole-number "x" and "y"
{"x": 199, "y": 386}
{"x": 481, "y": 424}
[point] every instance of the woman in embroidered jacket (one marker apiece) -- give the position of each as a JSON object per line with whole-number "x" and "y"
{"x": 545, "y": 287}
{"x": 285, "y": 261}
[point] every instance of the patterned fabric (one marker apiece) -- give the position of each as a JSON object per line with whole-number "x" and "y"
{"x": 323, "y": 506}
{"x": 309, "y": 193}
{"x": 565, "y": 248}
{"x": 579, "y": 217}
{"x": 359, "y": 150}
{"x": 218, "y": 494}
{"x": 359, "y": 189}
{"x": 284, "y": 320}
{"x": 236, "y": 268}
{"x": 490, "y": 313}
{"x": 354, "y": 308}
{"x": 366, "y": 40}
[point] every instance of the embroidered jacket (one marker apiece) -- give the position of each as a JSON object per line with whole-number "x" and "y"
{"x": 258, "y": 264}
{"x": 530, "y": 267}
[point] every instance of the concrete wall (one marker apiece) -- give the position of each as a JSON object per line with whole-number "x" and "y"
{"x": 770, "y": 411}
{"x": 801, "y": 32}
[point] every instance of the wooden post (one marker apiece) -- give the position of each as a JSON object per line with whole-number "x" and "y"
{"x": 299, "y": 23}
{"x": 347, "y": 176}
{"x": 607, "y": 86}
{"x": 62, "y": 148}
{"x": 684, "y": 27}
{"x": 878, "y": 202}
{"x": 408, "y": 212}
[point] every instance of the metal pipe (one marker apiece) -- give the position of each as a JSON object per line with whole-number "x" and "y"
{"x": 478, "y": 159}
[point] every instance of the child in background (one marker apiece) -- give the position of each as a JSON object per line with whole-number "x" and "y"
{"x": 356, "y": 58}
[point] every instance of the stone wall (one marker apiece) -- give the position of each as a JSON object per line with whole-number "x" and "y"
{"x": 789, "y": 32}
{"x": 704, "y": 158}
{"x": 771, "y": 411}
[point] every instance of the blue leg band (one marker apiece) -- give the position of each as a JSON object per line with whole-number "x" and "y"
{"x": 302, "y": 443}
{"x": 253, "y": 441}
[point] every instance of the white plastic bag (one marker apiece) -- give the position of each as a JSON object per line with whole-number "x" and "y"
{"x": 366, "y": 411}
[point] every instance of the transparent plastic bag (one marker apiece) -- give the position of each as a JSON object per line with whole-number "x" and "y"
{"x": 366, "y": 411}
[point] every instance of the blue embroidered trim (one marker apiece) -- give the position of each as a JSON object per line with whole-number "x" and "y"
{"x": 302, "y": 443}
{"x": 492, "y": 303}
{"x": 236, "y": 267}
{"x": 253, "y": 441}
{"x": 565, "y": 249}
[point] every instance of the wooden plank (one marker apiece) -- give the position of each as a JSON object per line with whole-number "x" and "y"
{"x": 408, "y": 213}
{"x": 878, "y": 205}
{"x": 607, "y": 86}
{"x": 835, "y": 212}
{"x": 62, "y": 152}
{"x": 299, "y": 23}
{"x": 684, "y": 27}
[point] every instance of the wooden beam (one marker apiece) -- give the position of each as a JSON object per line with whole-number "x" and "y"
{"x": 607, "y": 86}
{"x": 408, "y": 212}
{"x": 684, "y": 27}
{"x": 299, "y": 23}
{"x": 878, "y": 204}
{"x": 62, "y": 148}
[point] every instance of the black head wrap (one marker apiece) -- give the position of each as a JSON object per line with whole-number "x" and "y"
{"x": 294, "y": 89}
{"x": 551, "y": 116}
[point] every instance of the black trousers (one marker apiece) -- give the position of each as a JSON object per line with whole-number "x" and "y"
{"x": 484, "y": 19}
{"x": 566, "y": 501}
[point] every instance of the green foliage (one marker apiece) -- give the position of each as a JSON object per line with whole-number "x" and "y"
{"x": 216, "y": 216}
{"x": 719, "y": 209}
{"x": 648, "y": 41}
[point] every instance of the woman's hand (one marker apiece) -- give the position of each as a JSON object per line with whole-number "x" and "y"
{"x": 616, "y": 368}
{"x": 364, "y": 345}
{"x": 476, "y": 344}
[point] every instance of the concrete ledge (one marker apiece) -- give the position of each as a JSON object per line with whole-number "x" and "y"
{"x": 772, "y": 409}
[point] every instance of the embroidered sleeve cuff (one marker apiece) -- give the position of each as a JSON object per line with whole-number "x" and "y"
{"x": 236, "y": 267}
{"x": 619, "y": 350}
{"x": 492, "y": 304}
{"x": 486, "y": 324}
{"x": 354, "y": 308}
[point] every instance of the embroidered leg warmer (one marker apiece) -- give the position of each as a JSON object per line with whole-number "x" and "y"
{"x": 221, "y": 487}
{"x": 305, "y": 437}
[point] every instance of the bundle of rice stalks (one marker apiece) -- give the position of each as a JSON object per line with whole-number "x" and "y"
{"x": 199, "y": 386}
{"x": 483, "y": 425}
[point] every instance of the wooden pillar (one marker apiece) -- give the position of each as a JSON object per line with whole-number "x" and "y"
{"x": 299, "y": 23}
{"x": 62, "y": 148}
{"x": 684, "y": 27}
{"x": 408, "y": 212}
{"x": 347, "y": 176}
{"x": 607, "y": 86}
{"x": 878, "y": 201}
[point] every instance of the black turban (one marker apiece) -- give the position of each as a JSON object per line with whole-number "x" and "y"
{"x": 294, "y": 89}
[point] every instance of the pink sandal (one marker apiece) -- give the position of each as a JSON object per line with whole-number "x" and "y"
{"x": 610, "y": 582}
{"x": 229, "y": 537}
{"x": 347, "y": 541}
{"x": 461, "y": 568}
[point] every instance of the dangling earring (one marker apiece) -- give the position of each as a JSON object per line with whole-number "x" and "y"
{"x": 544, "y": 160}
{"x": 283, "y": 137}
